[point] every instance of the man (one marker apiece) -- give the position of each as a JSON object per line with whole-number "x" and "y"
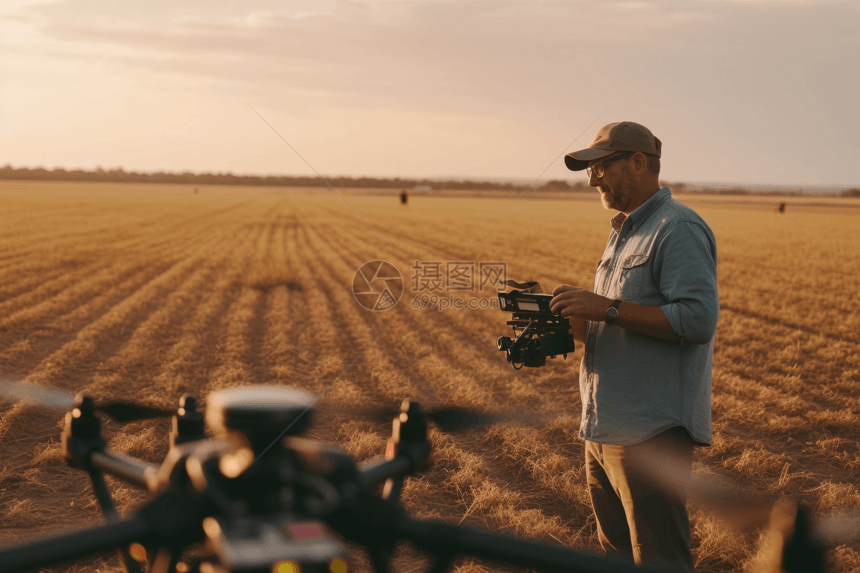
{"x": 648, "y": 332}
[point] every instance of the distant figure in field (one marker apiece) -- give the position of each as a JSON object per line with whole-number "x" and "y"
{"x": 781, "y": 208}
{"x": 404, "y": 197}
{"x": 195, "y": 190}
{"x": 648, "y": 334}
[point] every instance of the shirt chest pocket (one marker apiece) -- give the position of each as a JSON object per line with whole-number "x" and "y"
{"x": 634, "y": 276}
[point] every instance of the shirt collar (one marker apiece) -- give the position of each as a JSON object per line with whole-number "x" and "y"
{"x": 643, "y": 211}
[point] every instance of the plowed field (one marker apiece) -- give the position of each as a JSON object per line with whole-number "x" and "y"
{"x": 148, "y": 292}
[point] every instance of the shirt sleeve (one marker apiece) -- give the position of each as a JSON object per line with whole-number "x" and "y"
{"x": 686, "y": 270}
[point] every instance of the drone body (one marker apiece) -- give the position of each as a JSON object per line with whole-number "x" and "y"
{"x": 264, "y": 499}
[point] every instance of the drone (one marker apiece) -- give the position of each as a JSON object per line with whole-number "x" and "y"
{"x": 241, "y": 478}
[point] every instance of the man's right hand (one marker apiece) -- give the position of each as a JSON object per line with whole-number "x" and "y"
{"x": 578, "y": 326}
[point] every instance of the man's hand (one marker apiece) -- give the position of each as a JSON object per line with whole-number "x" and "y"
{"x": 579, "y": 305}
{"x": 574, "y": 302}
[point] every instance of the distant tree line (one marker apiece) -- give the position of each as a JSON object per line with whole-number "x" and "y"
{"x": 119, "y": 175}
{"x": 684, "y": 188}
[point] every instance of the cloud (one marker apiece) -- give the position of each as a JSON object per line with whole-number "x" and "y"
{"x": 384, "y": 51}
{"x": 706, "y": 71}
{"x": 269, "y": 18}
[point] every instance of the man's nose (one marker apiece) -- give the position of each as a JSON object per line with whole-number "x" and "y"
{"x": 593, "y": 180}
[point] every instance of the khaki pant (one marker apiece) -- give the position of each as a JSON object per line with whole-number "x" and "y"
{"x": 639, "y": 495}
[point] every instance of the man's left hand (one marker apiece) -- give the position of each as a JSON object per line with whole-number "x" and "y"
{"x": 571, "y": 301}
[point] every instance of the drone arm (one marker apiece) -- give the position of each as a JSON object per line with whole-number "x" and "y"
{"x": 172, "y": 518}
{"x": 125, "y": 467}
{"x": 371, "y": 513}
{"x": 73, "y": 545}
{"x": 441, "y": 538}
{"x": 375, "y": 473}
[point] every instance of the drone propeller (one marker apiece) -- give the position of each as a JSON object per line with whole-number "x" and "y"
{"x": 743, "y": 510}
{"x": 738, "y": 508}
{"x": 838, "y": 529}
{"x": 120, "y": 412}
{"x": 446, "y": 419}
{"x": 456, "y": 419}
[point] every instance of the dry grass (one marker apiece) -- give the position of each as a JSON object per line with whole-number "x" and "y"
{"x": 148, "y": 292}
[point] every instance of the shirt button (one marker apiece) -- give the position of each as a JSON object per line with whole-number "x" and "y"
{"x": 624, "y": 239}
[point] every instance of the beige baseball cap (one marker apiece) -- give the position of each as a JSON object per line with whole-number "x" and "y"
{"x": 612, "y": 137}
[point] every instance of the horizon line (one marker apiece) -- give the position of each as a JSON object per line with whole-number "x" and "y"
{"x": 836, "y": 187}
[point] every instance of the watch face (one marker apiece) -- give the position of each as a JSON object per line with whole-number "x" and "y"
{"x": 612, "y": 313}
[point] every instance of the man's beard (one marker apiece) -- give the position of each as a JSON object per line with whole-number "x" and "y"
{"x": 617, "y": 198}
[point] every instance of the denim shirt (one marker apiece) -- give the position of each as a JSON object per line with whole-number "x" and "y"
{"x": 633, "y": 386}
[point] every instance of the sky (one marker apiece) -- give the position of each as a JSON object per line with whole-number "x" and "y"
{"x": 739, "y": 92}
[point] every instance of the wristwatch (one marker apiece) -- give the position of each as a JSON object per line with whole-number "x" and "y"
{"x": 612, "y": 312}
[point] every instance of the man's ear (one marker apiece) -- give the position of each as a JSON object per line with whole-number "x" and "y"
{"x": 640, "y": 163}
